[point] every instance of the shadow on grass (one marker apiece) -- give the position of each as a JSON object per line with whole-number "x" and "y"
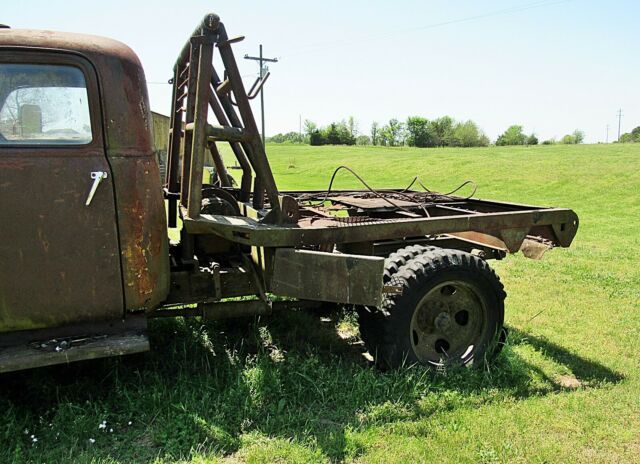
{"x": 584, "y": 371}
{"x": 207, "y": 387}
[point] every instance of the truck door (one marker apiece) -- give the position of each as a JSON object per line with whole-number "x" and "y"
{"x": 59, "y": 252}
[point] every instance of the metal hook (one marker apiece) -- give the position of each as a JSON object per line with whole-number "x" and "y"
{"x": 262, "y": 80}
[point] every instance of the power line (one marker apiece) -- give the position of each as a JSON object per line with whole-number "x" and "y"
{"x": 516, "y": 9}
{"x": 170, "y": 83}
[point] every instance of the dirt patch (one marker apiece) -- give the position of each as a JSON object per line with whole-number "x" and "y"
{"x": 569, "y": 382}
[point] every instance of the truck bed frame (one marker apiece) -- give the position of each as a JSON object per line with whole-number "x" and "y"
{"x": 264, "y": 217}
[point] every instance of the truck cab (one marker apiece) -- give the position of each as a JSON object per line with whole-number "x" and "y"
{"x": 83, "y": 238}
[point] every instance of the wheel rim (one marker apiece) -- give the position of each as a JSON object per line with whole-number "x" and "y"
{"x": 448, "y": 323}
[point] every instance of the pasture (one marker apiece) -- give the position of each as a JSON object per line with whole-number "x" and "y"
{"x": 296, "y": 387}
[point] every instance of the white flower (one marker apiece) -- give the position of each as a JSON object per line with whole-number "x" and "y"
{"x": 92, "y": 441}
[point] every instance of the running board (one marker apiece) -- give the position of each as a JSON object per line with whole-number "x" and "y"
{"x": 70, "y": 349}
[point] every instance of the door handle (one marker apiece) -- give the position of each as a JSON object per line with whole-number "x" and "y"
{"x": 97, "y": 177}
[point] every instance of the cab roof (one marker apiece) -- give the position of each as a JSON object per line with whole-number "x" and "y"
{"x": 124, "y": 98}
{"x": 92, "y": 46}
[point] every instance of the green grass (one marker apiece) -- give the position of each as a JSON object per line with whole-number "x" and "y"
{"x": 295, "y": 388}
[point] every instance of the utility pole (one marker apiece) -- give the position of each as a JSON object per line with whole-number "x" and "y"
{"x": 607, "y": 139}
{"x": 619, "y": 122}
{"x": 263, "y": 69}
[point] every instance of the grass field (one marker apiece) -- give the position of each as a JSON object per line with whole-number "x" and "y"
{"x": 296, "y": 388}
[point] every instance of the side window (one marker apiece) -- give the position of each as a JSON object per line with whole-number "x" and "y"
{"x": 43, "y": 104}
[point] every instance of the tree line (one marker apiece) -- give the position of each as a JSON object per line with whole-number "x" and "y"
{"x": 416, "y": 131}
{"x": 631, "y": 137}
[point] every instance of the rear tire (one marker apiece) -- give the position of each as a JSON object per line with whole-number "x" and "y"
{"x": 399, "y": 258}
{"x": 369, "y": 328}
{"x": 450, "y": 312}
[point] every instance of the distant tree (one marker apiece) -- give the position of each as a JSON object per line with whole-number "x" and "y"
{"x": 384, "y": 136}
{"x": 317, "y": 138}
{"x": 574, "y": 138}
{"x": 627, "y": 138}
{"x": 352, "y": 124}
{"x": 391, "y": 133}
{"x": 278, "y": 138}
{"x": 532, "y": 140}
{"x": 332, "y": 134}
{"x": 512, "y": 136}
{"x": 289, "y": 137}
{"x": 631, "y": 137}
{"x": 550, "y": 141}
{"x": 363, "y": 140}
{"x": 419, "y": 132}
{"x": 403, "y": 134}
{"x": 395, "y": 129}
{"x": 294, "y": 137}
{"x": 442, "y": 129}
{"x": 578, "y": 136}
{"x": 338, "y": 134}
{"x": 568, "y": 140}
{"x": 374, "y": 133}
{"x": 467, "y": 134}
{"x": 309, "y": 127}
{"x": 345, "y": 135}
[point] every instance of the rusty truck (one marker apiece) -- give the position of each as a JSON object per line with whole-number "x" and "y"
{"x": 85, "y": 255}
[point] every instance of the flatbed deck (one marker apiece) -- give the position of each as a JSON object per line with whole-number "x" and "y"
{"x": 361, "y": 216}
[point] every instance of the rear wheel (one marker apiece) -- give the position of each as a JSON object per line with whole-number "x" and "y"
{"x": 369, "y": 328}
{"x": 450, "y": 311}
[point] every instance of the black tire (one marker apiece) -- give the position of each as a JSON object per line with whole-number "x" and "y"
{"x": 450, "y": 312}
{"x": 399, "y": 258}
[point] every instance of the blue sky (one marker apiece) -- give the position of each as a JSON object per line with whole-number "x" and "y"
{"x": 551, "y": 65}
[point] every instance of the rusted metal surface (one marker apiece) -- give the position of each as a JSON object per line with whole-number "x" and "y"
{"x": 485, "y": 249}
{"x": 59, "y": 259}
{"x": 142, "y": 224}
{"x": 203, "y": 90}
{"x": 335, "y": 277}
{"x": 317, "y": 230}
{"x": 371, "y": 203}
{"x": 47, "y": 353}
{"x": 122, "y": 104}
{"x": 60, "y": 345}
{"x": 199, "y": 136}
